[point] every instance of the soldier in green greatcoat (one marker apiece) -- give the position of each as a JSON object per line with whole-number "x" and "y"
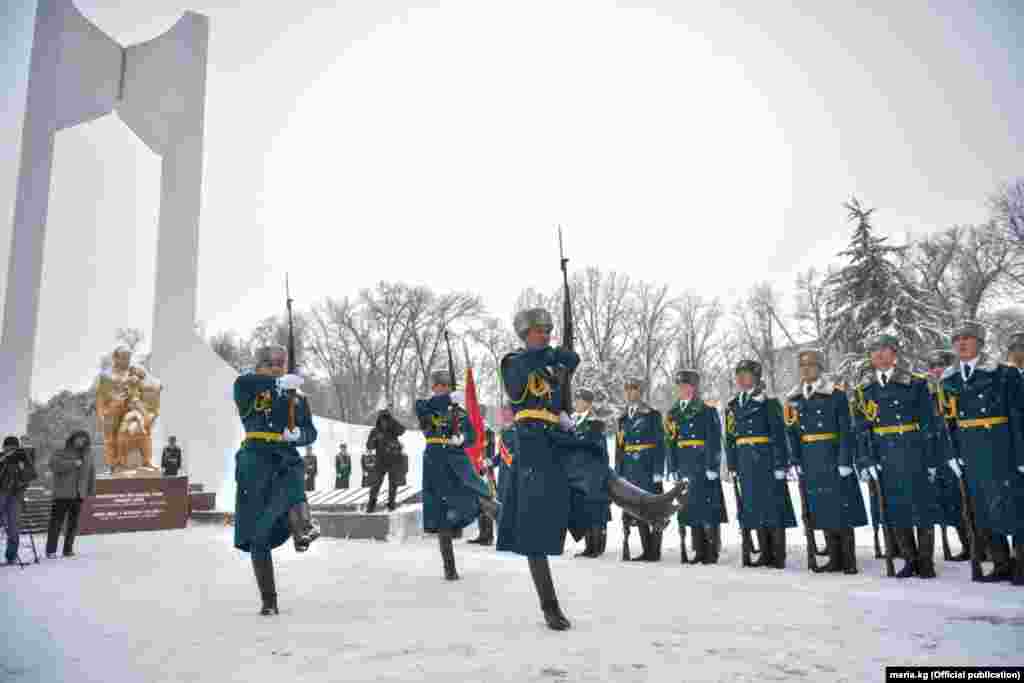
{"x": 270, "y": 503}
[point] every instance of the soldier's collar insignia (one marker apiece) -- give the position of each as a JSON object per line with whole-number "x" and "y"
{"x": 822, "y": 385}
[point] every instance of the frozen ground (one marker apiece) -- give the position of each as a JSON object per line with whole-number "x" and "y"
{"x": 181, "y": 606}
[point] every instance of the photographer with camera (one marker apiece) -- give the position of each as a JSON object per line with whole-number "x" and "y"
{"x": 74, "y": 479}
{"x": 17, "y": 469}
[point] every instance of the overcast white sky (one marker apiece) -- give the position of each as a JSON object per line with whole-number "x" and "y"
{"x": 439, "y": 143}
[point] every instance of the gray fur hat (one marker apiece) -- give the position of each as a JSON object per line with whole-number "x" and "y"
{"x": 531, "y": 317}
{"x": 440, "y": 376}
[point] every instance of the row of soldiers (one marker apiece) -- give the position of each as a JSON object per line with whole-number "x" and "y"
{"x": 911, "y": 436}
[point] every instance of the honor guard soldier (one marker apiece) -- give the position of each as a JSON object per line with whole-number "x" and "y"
{"x": 453, "y": 495}
{"x": 170, "y": 461}
{"x": 694, "y": 434}
{"x": 823, "y": 448}
{"x": 342, "y": 467}
{"x": 989, "y": 405}
{"x": 640, "y": 460}
{"x": 894, "y": 416}
{"x": 309, "y": 461}
{"x": 755, "y": 448}
{"x": 489, "y": 463}
{"x": 506, "y": 450}
{"x": 592, "y": 515}
{"x": 947, "y": 488}
{"x": 270, "y": 502}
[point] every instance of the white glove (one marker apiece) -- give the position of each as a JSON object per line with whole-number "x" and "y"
{"x": 955, "y": 466}
{"x": 1020, "y": 468}
{"x": 672, "y": 477}
{"x": 711, "y": 475}
{"x": 931, "y": 474}
{"x": 291, "y": 435}
{"x": 780, "y": 474}
{"x": 658, "y": 478}
{"x": 565, "y": 422}
{"x": 845, "y": 471}
{"x": 799, "y": 470}
{"x": 457, "y": 440}
{"x": 865, "y": 476}
{"x": 289, "y": 382}
{"x": 458, "y": 397}
{"x": 874, "y": 470}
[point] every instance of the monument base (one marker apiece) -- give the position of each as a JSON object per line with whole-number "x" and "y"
{"x": 138, "y": 504}
{"x": 404, "y": 523}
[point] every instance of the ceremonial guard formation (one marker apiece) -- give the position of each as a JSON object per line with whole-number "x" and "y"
{"x": 694, "y": 433}
{"x": 270, "y": 501}
{"x": 453, "y": 495}
{"x": 640, "y": 459}
{"x": 756, "y": 453}
{"x": 824, "y": 448}
{"x": 987, "y": 399}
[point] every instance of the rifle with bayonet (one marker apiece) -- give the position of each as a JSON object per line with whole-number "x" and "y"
{"x": 568, "y": 328}
{"x": 453, "y": 412}
{"x": 292, "y": 363}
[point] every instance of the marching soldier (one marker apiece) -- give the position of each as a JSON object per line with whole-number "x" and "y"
{"x": 823, "y": 446}
{"x": 894, "y": 418}
{"x": 946, "y": 487}
{"x": 755, "y": 448}
{"x": 342, "y": 467}
{"x": 309, "y": 461}
{"x": 694, "y": 434}
{"x": 270, "y": 502}
{"x": 640, "y": 460}
{"x": 591, "y": 516}
{"x": 453, "y": 495}
{"x": 988, "y": 400}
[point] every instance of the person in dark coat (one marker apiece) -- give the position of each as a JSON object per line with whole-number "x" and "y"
{"x": 589, "y": 515}
{"x": 74, "y": 480}
{"x": 988, "y": 400}
{"x": 505, "y": 455}
{"x": 755, "y": 447}
{"x": 389, "y": 458}
{"x": 640, "y": 459}
{"x": 947, "y": 486}
{"x": 694, "y": 434}
{"x": 170, "y": 460}
{"x": 894, "y": 419}
{"x": 310, "y": 469}
{"x": 17, "y": 469}
{"x": 270, "y": 500}
{"x": 487, "y": 466}
{"x": 453, "y": 494}
{"x": 342, "y": 467}
{"x": 536, "y": 511}
{"x": 824, "y": 448}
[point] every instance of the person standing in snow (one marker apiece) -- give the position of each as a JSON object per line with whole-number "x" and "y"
{"x": 270, "y": 503}
{"x": 389, "y": 458}
{"x": 989, "y": 407}
{"x": 694, "y": 433}
{"x": 894, "y": 419}
{"x": 453, "y": 495}
{"x": 824, "y": 448}
{"x": 640, "y": 459}
{"x": 755, "y": 447}
{"x": 590, "y": 517}
{"x": 74, "y": 480}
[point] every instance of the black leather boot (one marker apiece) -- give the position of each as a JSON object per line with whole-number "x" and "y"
{"x": 490, "y": 508}
{"x": 644, "y": 530}
{"x": 263, "y": 568}
{"x": 711, "y": 533}
{"x": 601, "y": 541}
{"x": 590, "y": 547}
{"x": 833, "y": 543}
{"x": 540, "y": 570}
{"x": 700, "y": 544}
{"x": 878, "y": 545}
{"x": 656, "y": 541}
{"x": 716, "y": 535}
{"x": 849, "y": 551}
{"x": 1018, "y": 569}
{"x": 625, "y": 541}
{"x": 778, "y": 539}
{"x": 926, "y": 552}
{"x": 965, "y": 545}
{"x": 447, "y": 555}
{"x": 908, "y": 550}
{"x": 645, "y": 506}
{"x": 304, "y": 529}
{"x": 486, "y": 535}
{"x": 1000, "y": 551}
{"x": 764, "y": 544}
{"x": 683, "y": 559}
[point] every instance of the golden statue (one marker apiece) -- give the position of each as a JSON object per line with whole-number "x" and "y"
{"x": 127, "y": 405}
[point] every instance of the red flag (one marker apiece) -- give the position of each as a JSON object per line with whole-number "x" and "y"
{"x": 475, "y": 451}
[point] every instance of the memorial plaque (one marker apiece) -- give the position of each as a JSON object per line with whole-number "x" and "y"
{"x": 146, "y": 504}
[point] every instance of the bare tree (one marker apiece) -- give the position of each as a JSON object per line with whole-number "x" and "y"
{"x": 1007, "y": 206}
{"x": 655, "y": 325}
{"x": 756, "y": 329}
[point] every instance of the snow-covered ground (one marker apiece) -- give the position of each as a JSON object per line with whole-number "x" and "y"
{"x": 182, "y": 606}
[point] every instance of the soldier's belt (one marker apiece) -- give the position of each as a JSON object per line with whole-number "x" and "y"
{"x": 634, "y": 447}
{"x": 437, "y": 440}
{"x": 898, "y": 429}
{"x": 537, "y": 414}
{"x": 689, "y": 443}
{"x": 825, "y": 436}
{"x": 752, "y": 440}
{"x": 262, "y": 436}
{"x": 982, "y": 422}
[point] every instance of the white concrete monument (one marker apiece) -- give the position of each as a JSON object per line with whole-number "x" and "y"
{"x": 158, "y": 88}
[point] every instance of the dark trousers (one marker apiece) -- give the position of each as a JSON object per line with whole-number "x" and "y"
{"x": 63, "y": 508}
{"x": 10, "y": 510}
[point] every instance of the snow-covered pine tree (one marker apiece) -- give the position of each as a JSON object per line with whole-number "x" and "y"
{"x": 870, "y": 296}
